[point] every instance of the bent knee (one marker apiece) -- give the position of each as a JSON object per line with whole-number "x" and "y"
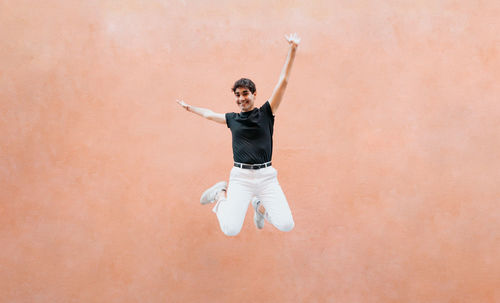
{"x": 286, "y": 226}
{"x": 231, "y": 231}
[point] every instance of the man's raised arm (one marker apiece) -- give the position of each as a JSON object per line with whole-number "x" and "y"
{"x": 279, "y": 90}
{"x": 204, "y": 112}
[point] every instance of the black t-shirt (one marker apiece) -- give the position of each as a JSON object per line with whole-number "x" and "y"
{"x": 252, "y": 134}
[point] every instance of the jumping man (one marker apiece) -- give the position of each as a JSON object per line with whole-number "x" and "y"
{"x": 252, "y": 179}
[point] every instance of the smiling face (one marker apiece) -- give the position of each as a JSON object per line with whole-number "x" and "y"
{"x": 245, "y": 98}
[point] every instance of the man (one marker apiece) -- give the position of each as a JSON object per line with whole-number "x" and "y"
{"x": 252, "y": 178}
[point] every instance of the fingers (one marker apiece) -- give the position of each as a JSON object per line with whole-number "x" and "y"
{"x": 293, "y": 38}
{"x": 182, "y": 103}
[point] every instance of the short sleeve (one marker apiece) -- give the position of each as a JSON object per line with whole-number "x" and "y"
{"x": 266, "y": 108}
{"x": 229, "y": 119}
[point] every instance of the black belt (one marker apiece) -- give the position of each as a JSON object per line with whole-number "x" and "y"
{"x": 252, "y": 166}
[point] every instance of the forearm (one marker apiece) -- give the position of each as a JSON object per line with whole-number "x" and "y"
{"x": 287, "y": 68}
{"x": 203, "y": 112}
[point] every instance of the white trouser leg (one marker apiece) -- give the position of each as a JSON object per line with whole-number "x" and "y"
{"x": 271, "y": 195}
{"x": 231, "y": 211}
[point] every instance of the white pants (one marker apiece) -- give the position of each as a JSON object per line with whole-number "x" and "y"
{"x": 244, "y": 184}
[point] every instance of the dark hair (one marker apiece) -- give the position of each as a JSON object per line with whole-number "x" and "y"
{"x": 244, "y": 82}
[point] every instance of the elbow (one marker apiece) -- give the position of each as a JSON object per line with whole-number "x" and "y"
{"x": 284, "y": 82}
{"x": 207, "y": 115}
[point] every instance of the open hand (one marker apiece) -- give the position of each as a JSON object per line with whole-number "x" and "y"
{"x": 293, "y": 39}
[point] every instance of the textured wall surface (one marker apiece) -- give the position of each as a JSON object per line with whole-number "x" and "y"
{"x": 387, "y": 146}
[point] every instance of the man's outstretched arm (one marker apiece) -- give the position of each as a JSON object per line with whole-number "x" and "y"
{"x": 279, "y": 90}
{"x": 204, "y": 112}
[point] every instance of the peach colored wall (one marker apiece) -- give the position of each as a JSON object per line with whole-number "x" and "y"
{"x": 387, "y": 146}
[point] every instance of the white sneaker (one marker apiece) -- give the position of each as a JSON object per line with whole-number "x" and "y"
{"x": 258, "y": 218}
{"x": 210, "y": 194}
